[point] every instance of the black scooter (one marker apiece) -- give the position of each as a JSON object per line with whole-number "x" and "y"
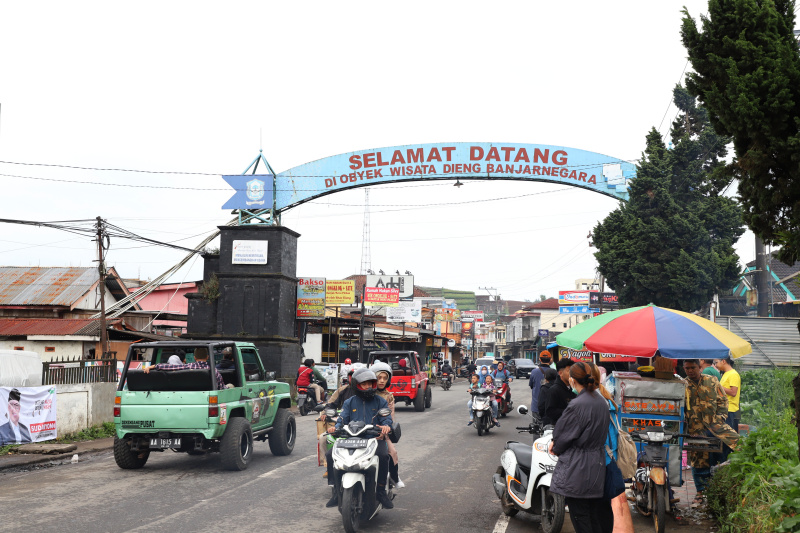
{"x": 307, "y": 400}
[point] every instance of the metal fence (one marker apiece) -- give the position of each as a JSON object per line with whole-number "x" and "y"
{"x": 775, "y": 341}
{"x": 76, "y": 370}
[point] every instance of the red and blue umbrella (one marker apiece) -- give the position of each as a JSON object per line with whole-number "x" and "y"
{"x": 651, "y": 330}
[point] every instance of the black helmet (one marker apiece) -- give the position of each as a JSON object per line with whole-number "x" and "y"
{"x": 360, "y": 376}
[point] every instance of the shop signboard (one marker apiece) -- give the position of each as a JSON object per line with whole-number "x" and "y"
{"x": 407, "y": 311}
{"x": 577, "y": 309}
{"x": 404, "y": 284}
{"x": 615, "y": 358}
{"x": 381, "y": 297}
{"x": 608, "y": 299}
{"x": 340, "y": 292}
{"x": 442, "y": 314}
{"x": 576, "y": 355}
{"x": 478, "y": 316}
{"x": 310, "y": 298}
{"x": 573, "y": 297}
{"x": 544, "y": 332}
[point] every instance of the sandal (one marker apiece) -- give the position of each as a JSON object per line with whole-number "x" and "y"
{"x": 698, "y": 501}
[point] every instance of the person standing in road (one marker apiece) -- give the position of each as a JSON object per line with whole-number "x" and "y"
{"x": 705, "y": 416}
{"x": 707, "y": 366}
{"x": 732, "y": 385}
{"x": 536, "y": 378}
{"x": 550, "y": 377}
{"x": 579, "y": 442}
{"x": 560, "y": 394}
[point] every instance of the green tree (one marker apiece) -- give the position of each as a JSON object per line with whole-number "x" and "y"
{"x": 747, "y": 74}
{"x": 672, "y": 243}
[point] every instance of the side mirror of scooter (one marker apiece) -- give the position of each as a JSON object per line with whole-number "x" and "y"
{"x": 319, "y": 408}
{"x": 330, "y": 413}
{"x": 384, "y": 412}
{"x": 523, "y": 410}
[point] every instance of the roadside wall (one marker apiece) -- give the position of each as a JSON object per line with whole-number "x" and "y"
{"x": 84, "y": 405}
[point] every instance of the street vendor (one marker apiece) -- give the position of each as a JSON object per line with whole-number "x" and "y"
{"x": 706, "y": 411}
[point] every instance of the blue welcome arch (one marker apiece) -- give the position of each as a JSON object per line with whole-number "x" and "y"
{"x": 435, "y": 161}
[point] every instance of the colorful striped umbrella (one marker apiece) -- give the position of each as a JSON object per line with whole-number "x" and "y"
{"x": 650, "y": 330}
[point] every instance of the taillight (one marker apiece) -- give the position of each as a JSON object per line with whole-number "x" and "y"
{"x": 117, "y": 408}
{"x": 213, "y": 408}
{"x": 413, "y": 383}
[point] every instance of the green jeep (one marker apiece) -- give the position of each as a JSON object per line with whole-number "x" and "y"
{"x": 185, "y": 410}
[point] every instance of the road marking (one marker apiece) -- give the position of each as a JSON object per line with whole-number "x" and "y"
{"x": 501, "y": 525}
{"x": 271, "y": 472}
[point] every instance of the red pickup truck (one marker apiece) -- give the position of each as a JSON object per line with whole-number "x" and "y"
{"x": 409, "y": 379}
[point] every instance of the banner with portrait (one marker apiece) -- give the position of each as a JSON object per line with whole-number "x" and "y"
{"x": 27, "y": 414}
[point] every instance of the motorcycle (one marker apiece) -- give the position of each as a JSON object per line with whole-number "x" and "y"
{"x": 307, "y": 400}
{"x": 650, "y": 487}
{"x": 522, "y": 481}
{"x": 482, "y": 409}
{"x": 355, "y": 467}
{"x": 446, "y": 381}
{"x": 501, "y": 392}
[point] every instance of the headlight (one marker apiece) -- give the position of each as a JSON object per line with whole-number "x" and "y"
{"x": 656, "y": 436}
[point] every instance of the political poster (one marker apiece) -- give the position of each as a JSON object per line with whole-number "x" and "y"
{"x": 27, "y": 414}
{"x": 310, "y": 298}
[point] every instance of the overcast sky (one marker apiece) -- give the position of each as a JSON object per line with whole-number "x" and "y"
{"x": 199, "y": 87}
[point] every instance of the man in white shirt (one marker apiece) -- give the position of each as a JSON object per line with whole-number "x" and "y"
{"x": 12, "y": 431}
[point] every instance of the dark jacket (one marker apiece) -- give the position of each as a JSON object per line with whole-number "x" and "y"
{"x": 543, "y": 403}
{"x": 578, "y": 441}
{"x": 535, "y": 383}
{"x": 558, "y": 396}
{"x": 7, "y": 434}
{"x": 355, "y": 408}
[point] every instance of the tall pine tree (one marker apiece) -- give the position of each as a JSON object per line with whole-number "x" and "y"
{"x": 747, "y": 74}
{"x": 672, "y": 243}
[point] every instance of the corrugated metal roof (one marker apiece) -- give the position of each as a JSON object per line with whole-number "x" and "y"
{"x": 60, "y": 286}
{"x": 10, "y": 327}
{"x": 775, "y": 341}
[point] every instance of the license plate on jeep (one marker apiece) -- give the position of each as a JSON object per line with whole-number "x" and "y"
{"x": 353, "y": 443}
{"x": 165, "y": 443}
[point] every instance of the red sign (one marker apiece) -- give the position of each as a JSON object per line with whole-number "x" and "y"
{"x": 616, "y": 358}
{"x": 381, "y": 297}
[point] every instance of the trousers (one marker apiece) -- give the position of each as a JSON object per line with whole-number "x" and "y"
{"x": 591, "y": 515}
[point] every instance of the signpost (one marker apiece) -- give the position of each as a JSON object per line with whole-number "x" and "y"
{"x": 310, "y": 298}
{"x": 404, "y": 284}
{"x": 607, "y": 299}
{"x": 340, "y": 292}
{"x": 573, "y": 297}
{"x": 577, "y": 310}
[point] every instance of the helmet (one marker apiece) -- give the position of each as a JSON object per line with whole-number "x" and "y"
{"x": 360, "y": 376}
{"x": 379, "y": 367}
{"x": 348, "y": 361}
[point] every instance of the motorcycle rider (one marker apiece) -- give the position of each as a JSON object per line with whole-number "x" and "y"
{"x": 334, "y": 402}
{"x": 304, "y": 378}
{"x": 365, "y": 406}
{"x": 488, "y": 384}
{"x": 384, "y": 375}
{"x": 537, "y": 377}
{"x": 447, "y": 369}
{"x": 501, "y": 373}
{"x": 347, "y": 369}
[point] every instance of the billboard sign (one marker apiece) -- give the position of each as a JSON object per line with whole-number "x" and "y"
{"x": 340, "y": 292}
{"x": 28, "y": 414}
{"x": 310, "y": 298}
{"x": 407, "y": 311}
{"x": 577, "y": 310}
{"x": 381, "y": 297}
{"x": 576, "y": 355}
{"x": 573, "y": 297}
{"x": 443, "y": 314}
{"x": 404, "y": 284}
{"x": 249, "y": 252}
{"x": 479, "y": 316}
{"x": 609, "y": 299}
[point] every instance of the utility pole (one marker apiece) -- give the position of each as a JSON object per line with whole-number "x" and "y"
{"x": 101, "y": 268}
{"x": 762, "y": 281}
{"x": 361, "y": 327}
{"x": 602, "y": 289}
{"x": 496, "y": 297}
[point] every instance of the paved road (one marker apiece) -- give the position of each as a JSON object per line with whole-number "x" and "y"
{"x": 447, "y": 469}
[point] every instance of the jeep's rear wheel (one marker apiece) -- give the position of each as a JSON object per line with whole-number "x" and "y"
{"x": 283, "y": 434}
{"x": 236, "y": 444}
{"x": 419, "y": 401}
{"x": 127, "y": 458}
{"x": 429, "y": 397}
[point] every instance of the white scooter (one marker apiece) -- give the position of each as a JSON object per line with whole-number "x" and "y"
{"x": 355, "y": 465}
{"x": 522, "y": 481}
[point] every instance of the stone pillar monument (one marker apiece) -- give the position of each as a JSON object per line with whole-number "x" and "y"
{"x": 251, "y": 302}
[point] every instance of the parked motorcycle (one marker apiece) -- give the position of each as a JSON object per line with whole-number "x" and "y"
{"x": 482, "y": 409}
{"x": 355, "y": 466}
{"x": 307, "y": 400}
{"x": 501, "y": 392}
{"x": 650, "y": 487}
{"x": 446, "y": 381}
{"x": 522, "y": 481}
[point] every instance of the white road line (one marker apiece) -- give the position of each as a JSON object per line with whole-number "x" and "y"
{"x": 294, "y": 463}
{"x": 501, "y": 525}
